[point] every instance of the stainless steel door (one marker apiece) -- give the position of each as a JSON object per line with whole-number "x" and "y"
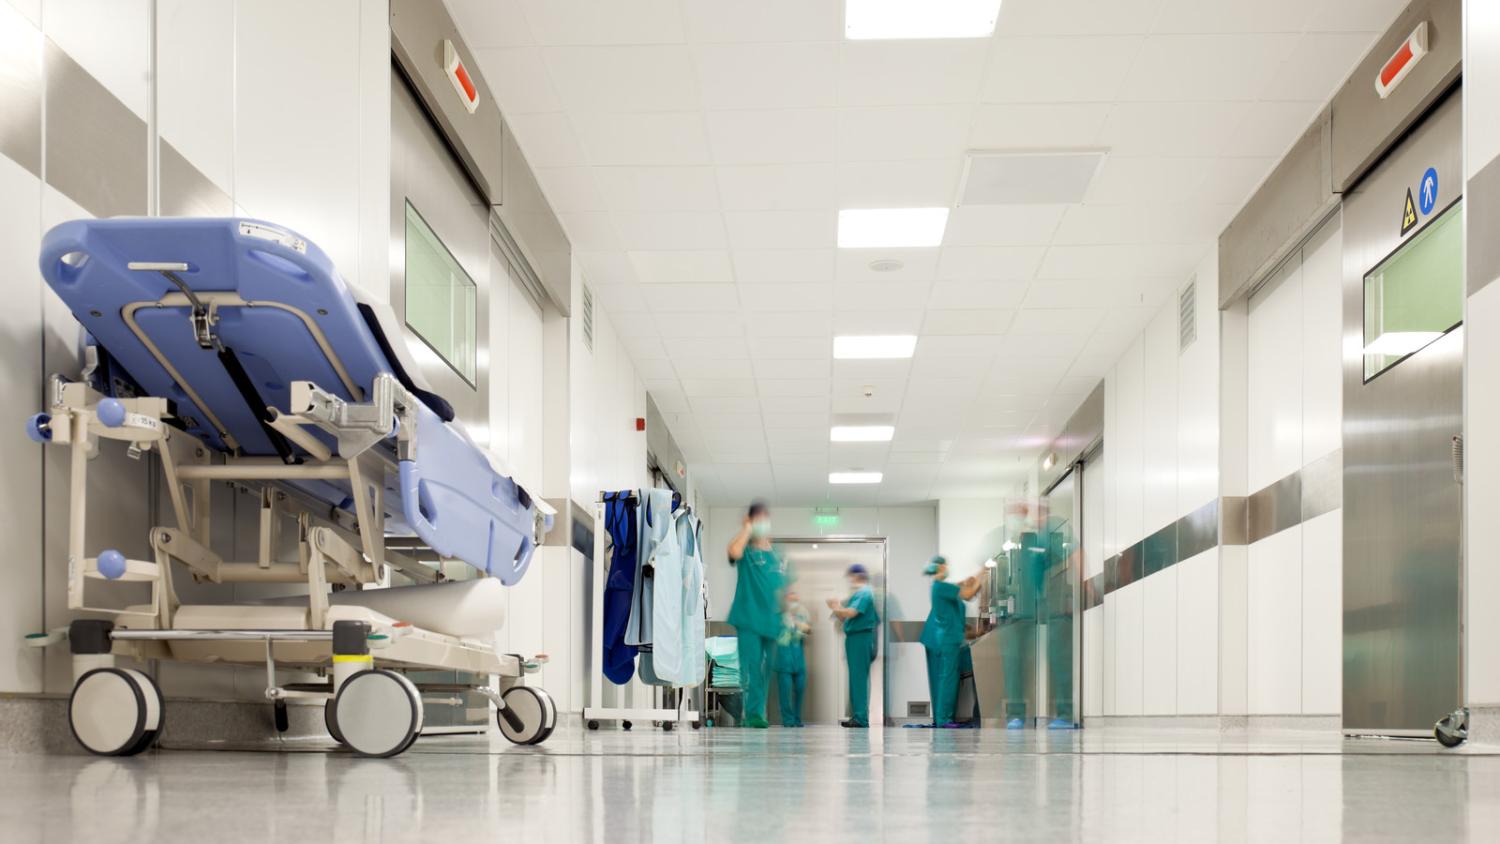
{"x": 1401, "y": 499}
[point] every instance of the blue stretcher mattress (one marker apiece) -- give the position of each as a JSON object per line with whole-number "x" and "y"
{"x": 449, "y": 495}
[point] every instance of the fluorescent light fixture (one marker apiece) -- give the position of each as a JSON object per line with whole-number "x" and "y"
{"x": 861, "y": 433}
{"x": 1397, "y": 343}
{"x": 874, "y": 346}
{"x": 891, "y": 228}
{"x": 892, "y": 19}
{"x": 855, "y": 477}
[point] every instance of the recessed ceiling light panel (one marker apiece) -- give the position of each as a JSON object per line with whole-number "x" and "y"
{"x": 861, "y": 433}
{"x": 1028, "y": 178}
{"x": 903, "y": 19}
{"x": 855, "y": 477}
{"x": 891, "y": 228}
{"x": 874, "y": 346}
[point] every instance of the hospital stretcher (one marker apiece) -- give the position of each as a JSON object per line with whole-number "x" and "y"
{"x": 233, "y": 351}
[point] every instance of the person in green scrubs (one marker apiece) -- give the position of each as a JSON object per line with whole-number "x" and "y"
{"x": 756, "y": 611}
{"x": 860, "y": 629}
{"x": 791, "y": 663}
{"x": 943, "y": 637}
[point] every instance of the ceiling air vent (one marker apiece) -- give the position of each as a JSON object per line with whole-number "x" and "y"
{"x": 1045, "y": 177}
{"x": 1187, "y": 315}
{"x": 588, "y": 318}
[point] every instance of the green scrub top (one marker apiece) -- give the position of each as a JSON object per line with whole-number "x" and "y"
{"x": 757, "y": 593}
{"x": 945, "y": 621}
{"x": 863, "y": 601}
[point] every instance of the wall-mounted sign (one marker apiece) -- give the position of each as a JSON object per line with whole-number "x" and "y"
{"x": 1427, "y": 191}
{"x": 463, "y": 84}
{"x": 1408, "y": 214}
{"x": 1402, "y": 61}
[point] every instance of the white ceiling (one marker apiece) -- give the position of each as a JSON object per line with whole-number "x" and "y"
{"x": 697, "y": 152}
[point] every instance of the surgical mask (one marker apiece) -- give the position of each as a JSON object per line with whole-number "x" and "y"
{"x": 760, "y": 528}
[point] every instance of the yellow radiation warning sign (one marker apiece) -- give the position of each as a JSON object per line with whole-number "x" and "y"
{"x": 1408, "y": 214}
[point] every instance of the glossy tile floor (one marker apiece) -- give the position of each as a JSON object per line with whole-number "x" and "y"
{"x": 818, "y": 784}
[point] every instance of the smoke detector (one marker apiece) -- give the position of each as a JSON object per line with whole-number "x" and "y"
{"x": 887, "y": 265}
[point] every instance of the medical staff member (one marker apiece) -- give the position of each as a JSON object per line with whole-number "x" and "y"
{"x": 943, "y": 637}
{"x": 791, "y": 662}
{"x": 860, "y": 622}
{"x": 756, "y": 611}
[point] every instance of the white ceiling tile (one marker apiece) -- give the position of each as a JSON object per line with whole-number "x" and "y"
{"x": 654, "y": 368}
{"x": 781, "y": 229}
{"x": 698, "y": 369}
{"x": 980, "y": 294}
{"x": 491, "y": 23}
{"x": 610, "y": 267}
{"x": 881, "y": 295}
{"x": 745, "y": 408}
{"x": 1124, "y": 180}
{"x": 818, "y": 419}
{"x": 876, "y": 322}
{"x": 957, "y": 346}
{"x": 792, "y": 324}
{"x": 791, "y": 368}
{"x": 867, "y": 456}
{"x": 707, "y": 266}
{"x": 967, "y": 263}
{"x": 549, "y": 140}
{"x": 1003, "y": 225}
{"x": 741, "y": 76}
{"x": 899, "y": 184}
{"x": 518, "y": 76}
{"x": 1371, "y": 16}
{"x": 668, "y": 139}
{"x": 687, "y": 324}
{"x": 624, "y": 78}
{"x": 1033, "y": 322}
{"x": 670, "y": 400}
{"x": 1223, "y": 67}
{"x": 887, "y": 375}
{"x": 704, "y": 348}
{"x": 1059, "y": 70}
{"x": 743, "y": 452}
{"x": 946, "y": 377}
{"x": 1074, "y": 17}
{"x": 589, "y": 22}
{"x": 785, "y": 348}
{"x": 1268, "y": 129}
{"x": 1123, "y": 260}
{"x": 991, "y": 321}
{"x": 777, "y": 187}
{"x": 657, "y": 188}
{"x": 774, "y": 136}
{"x": 590, "y": 231}
{"x": 916, "y": 265}
{"x": 1019, "y": 381}
{"x": 903, "y": 458}
{"x": 771, "y": 402}
{"x": 570, "y": 188}
{"x": 714, "y": 21}
{"x": 783, "y": 266}
{"x": 775, "y": 297}
{"x": 646, "y": 348}
{"x": 1049, "y": 352}
{"x": 1196, "y": 17}
{"x": 713, "y": 387}
{"x": 1096, "y": 366}
{"x": 1038, "y": 125}
{"x": 621, "y": 298}
{"x": 898, "y": 132}
{"x": 1078, "y": 386}
{"x": 687, "y": 298}
{"x": 670, "y": 230}
{"x": 910, "y": 72}
{"x": 1124, "y": 224}
{"x": 794, "y": 388}
{"x": 1172, "y": 129}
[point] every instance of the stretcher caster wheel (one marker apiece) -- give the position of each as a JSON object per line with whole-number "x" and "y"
{"x": 377, "y": 712}
{"x": 529, "y": 716}
{"x": 666, "y": 726}
{"x": 279, "y": 714}
{"x": 330, "y": 724}
{"x": 593, "y": 725}
{"x": 116, "y": 711}
{"x": 1452, "y": 730}
{"x": 625, "y": 725}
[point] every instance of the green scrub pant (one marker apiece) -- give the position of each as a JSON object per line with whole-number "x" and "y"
{"x": 790, "y": 686}
{"x": 859, "y": 652}
{"x": 756, "y": 653}
{"x": 942, "y": 681}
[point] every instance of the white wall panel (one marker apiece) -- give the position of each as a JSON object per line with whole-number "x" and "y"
{"x": 1128, "y": 446}
{"x": 1322, "y": 342}
{"x": 1109, "y": 491}
{"x": 524, "y": 361}
{"x": 1160, "y": 637}
{"x": 1198, "y": 634}
{"x": 1108, "y": 657}
{"x": 1275, "y": 365}
{"x": 1482, "y": 485}
{"x": 1323, "y": 614}
{"x": 1129, "y": 641}
{"x": 1198, "y": 399}
{"x": 1094, "y": 507}
{"x": 111, "y": 39}
{"x": 1159, "y": 422}
{"x": 1275, "y": 624}
{"x": 1094, "y": 655}
{"x": 195, "y": 84}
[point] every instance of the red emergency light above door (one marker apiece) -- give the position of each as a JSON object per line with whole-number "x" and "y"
{"x": 1402, "y": 61}
{"x": 459, "y": 76}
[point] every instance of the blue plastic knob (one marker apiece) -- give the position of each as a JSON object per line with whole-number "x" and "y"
{"x": 39, "y": 428}
{"x": 111, "y": 413}
{"x": 111, "y": 564}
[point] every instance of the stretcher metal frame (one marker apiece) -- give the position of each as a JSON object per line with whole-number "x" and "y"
{"x": 596, "y": 711}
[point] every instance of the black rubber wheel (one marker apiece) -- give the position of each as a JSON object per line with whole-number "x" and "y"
{"x": 151, "y": 736}
{"x": 1447, "y": 739}
{"x": 330, "y": 723}
{"x": 625, "y": 725}
{"x": 593, "y": 725}
{"x": 666, "y": 726}
{"x": 698, "y": 725}
{"x": 279, "y": 713}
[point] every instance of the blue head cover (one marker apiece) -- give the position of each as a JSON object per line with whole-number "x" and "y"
{"x": 857, "y": 570}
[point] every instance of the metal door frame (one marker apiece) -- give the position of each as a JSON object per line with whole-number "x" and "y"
{"x": 1075, "y": 471}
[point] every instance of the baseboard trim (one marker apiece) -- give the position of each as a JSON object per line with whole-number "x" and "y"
{"x": 1484, "y": 724}
{"x": 1220, "y": 723}
{"x": 39, "y": 724}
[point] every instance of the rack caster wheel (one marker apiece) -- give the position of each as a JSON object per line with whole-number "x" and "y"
{"x": 376, "y": 712}
{"x": 593, "y": 725}
{"x": 698, "y": 725}
{"x": 625, "y": 725}
{"x": 116, "y": 711}
{"x": 666, "y": 726}
{"x": 529, "y": 716}
{"x": 279, "y": 714}
{"x": 1452, "y": 730}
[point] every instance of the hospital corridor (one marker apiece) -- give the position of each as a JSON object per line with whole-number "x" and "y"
{"x": 724, "y": 421}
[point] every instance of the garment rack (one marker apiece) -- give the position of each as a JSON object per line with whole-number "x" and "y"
{"x": 596, "y": 711}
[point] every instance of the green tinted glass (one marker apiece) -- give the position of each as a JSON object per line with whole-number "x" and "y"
{"x": 1415, "y": 295}
{"x": 441, "y": 299}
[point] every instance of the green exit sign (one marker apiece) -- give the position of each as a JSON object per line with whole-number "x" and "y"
{"x": 826, "y": 517}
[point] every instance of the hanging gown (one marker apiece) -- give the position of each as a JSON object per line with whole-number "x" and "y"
{"x": 621, "y": 519}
